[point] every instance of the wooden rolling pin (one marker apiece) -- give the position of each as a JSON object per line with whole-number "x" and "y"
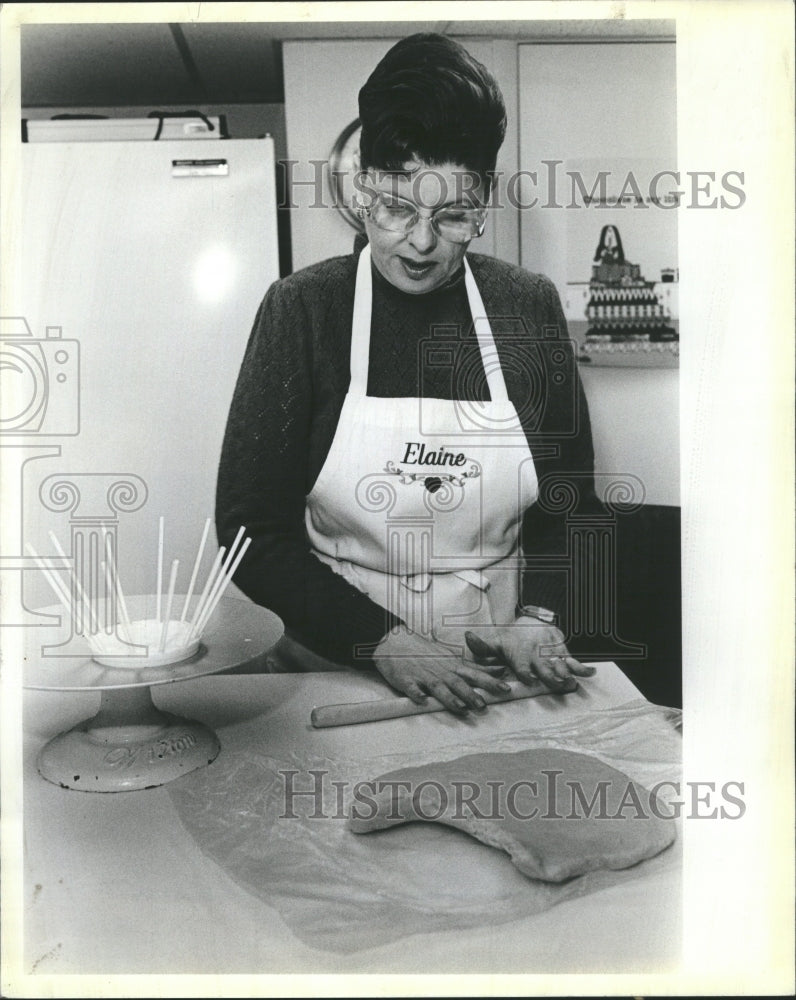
{"x": 325, "y": 716}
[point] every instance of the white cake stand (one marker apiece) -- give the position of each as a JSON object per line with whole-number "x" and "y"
{"x": 130, "y": 743}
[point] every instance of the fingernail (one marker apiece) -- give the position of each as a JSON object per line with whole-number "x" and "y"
{"x": 504, "y": 686}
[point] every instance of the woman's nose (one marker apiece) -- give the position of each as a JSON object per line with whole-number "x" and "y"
{"x": 422, "y": 235}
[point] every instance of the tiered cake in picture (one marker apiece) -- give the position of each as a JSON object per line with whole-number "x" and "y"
{"x": 624, "y": 312}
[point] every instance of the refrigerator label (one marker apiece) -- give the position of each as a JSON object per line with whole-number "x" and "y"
{"x": 199, "y": 168}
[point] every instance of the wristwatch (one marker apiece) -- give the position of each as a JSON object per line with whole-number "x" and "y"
{"x": 541, "y": 614}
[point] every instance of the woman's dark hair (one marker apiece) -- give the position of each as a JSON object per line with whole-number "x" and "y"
{"x": 428, "y": 98}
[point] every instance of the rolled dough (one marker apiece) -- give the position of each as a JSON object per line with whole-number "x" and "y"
{"x": 556, "y": 813}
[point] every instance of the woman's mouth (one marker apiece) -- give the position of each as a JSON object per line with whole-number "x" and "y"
{"x": 417, "y": 268}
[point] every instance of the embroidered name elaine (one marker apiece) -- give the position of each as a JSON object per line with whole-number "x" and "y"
{"x": 416, "y": 454}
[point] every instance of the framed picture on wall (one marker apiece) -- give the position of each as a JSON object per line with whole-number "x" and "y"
{"x": 621, "y": 295}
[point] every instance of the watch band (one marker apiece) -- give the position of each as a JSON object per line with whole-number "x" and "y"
{"x": 541, "y": 614}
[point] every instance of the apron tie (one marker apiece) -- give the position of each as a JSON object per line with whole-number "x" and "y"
{"x": 474, "y": 577}
{"x": 417, "y": 582}
{"x": 420, "y": 582}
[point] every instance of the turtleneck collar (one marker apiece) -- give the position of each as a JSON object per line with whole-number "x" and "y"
{"x": 379, "y": 281}
{"x": 360, "y": 242}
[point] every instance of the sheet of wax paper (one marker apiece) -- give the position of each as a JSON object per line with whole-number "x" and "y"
{"x": 343, "y": 892}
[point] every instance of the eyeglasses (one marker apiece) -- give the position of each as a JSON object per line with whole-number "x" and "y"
{"x": 453, "y": 223}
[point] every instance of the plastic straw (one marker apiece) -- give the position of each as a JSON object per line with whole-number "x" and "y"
{"x": 93, "y": 621}
{"x": 117, "y": 583}
{"x": 57, "y": 585}
{"x": 233, "y": 547}
{"x": 195, "y": 572}
{"x": 109, "y": 585}
{"x": 160, "y": 564}
{"x": 208, "y": 584}
{"x": 172, "y": 581}
{"x": 219, "y": 581}
{"x": 217, "y": 584}
{"x": 226, "y": 579}
{"x": 78, "y": 590}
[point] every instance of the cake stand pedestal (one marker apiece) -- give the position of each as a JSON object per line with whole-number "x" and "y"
{"x": 130, "y": 744}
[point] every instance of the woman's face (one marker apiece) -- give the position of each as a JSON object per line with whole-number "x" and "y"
{"x": 419, "y": 260}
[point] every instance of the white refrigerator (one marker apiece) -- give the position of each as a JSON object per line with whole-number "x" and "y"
{"x": 142, "y": 266}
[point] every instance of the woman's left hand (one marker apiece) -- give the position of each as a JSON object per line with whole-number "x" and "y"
{"x": 532, "y": 650}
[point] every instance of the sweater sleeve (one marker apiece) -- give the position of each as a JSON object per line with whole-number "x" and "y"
{"x": 561, "y": 442}
{"x": 262, "y": 481}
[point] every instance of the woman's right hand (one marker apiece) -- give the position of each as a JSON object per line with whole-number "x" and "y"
{"x": 419, "y": 667}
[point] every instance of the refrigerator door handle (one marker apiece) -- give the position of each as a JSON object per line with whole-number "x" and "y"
{"x": 200, "y": 168}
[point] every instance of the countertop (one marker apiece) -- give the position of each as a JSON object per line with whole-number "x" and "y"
{"x": 115, "y": 883}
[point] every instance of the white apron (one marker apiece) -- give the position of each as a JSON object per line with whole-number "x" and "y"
{"x": 420, "y": 501}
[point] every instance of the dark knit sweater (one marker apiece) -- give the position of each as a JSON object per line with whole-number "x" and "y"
{"x": 288, "y": 398}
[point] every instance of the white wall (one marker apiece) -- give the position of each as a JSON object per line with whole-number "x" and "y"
{"x": 610, "y": 106}
{"x": 636, "y": 428}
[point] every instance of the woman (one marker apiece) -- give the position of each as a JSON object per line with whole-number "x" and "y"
{"x": 396, "y": 409}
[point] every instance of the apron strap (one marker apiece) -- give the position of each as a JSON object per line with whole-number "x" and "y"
{"x": 360, "y": 326}
{"x": 486, "y": 342}
{"x": 360, "y": 331}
